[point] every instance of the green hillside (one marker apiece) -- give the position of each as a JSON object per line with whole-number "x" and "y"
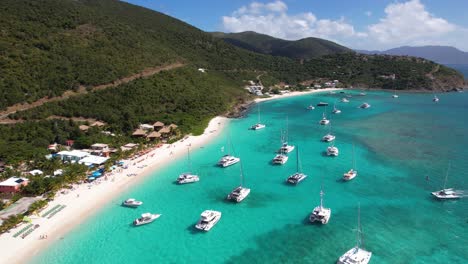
{"x": 307, "y": 48}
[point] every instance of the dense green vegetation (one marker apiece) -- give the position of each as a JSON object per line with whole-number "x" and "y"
{"x": 307, "y": 48}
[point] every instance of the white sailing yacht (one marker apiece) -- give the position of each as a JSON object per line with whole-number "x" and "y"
{"x": 447, "y": 193}
{"x": 320, "y": 213}
{"x": 356, "y": 255}
{"x": 329, "y": 137}
{"x": 332, "y": 150}
{"x": 324, "y": 120}
{"x": 188, "y": 177}
{"x": 352, "y": 173}
{"x": 435, "y": 99}
{"x": 228, "y": 159}
{"x": 285, "y": 148}
{"x": 336, "y": 110}
{"x": 298, "y": 176}
{"x": 258, "y": 125}
{"x": 344, "y": 100}
{"x": 239, "y": 193}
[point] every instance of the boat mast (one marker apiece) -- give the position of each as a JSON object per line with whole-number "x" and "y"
{"x": 354, "y": 159}
{"x": 446, "y": 175}
{"x": 298, "y": 164}
{"x": 258, "y": 114}
{"x": 321, "y": 196}
{"x": 358, "y": 238}
{"x": 241, "y": 175}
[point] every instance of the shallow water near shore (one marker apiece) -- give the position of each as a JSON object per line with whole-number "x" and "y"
{"x": 397, "y": 143}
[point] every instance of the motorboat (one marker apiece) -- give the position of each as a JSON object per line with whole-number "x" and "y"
{"x": 132, "y": 203}
{"x": 280, "y": 159}
{"x": 332, "y": 151}
{"x": 208, "y": 219}
{"x": 228, "y": 160}
{"x": 324, "y": 120}
{"x": 320, "y": 214}
{"x": 187, "y": 177}
{"x": 322, "y": 104}
{"x": 395, "y": 96}
{"x": 362, "y": 94}
{"x": 344, "y": 100}
{"x": 310, "y": 107}
{"x": 435, "y": 99}
{"x": 365, "y": 105}
{"x": 298, "y": 176}
{"x": 357, "y": 254}
{"x": 146, "y": 218}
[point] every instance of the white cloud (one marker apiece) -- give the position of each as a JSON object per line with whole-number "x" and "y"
{"x": 404, "y": 23}
{"x": 272, "y": 19}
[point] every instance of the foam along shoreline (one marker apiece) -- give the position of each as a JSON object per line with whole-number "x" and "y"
{"x": 296, "y": 93}
{"x": 94, "y": 196}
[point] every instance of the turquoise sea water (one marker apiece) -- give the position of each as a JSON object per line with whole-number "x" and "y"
{"x": 397, "y": 143}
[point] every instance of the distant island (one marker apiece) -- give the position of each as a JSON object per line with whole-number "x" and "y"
{"x": 439, "y": 54}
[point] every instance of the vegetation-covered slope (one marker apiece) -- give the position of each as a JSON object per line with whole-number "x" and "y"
{"x": 306, "y": 48}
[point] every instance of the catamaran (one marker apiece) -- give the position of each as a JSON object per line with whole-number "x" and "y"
{"x": 280, "y": 158}
{"x": 298, "y": 176}
{"x": 285, "y": 148}
{"x": 365, "y": 105}
{"x": 208, "y": 219}
{"x": 228, "y": 159}
{"x": 344, "y": 100}
{"x": 258, "y": 125}
{"x": 320, "y": 213}
{"x": 239, "y": 193}
{"x": 188, "y": 177}
{"x": 329, "y": 137}
{"x": 332, "y": 150}
{"x": 310, "y": 107}
{"x": 447, "y": 193}
{"x": 352, "y": 173}
{"x": 357, "y": 254}
{"x": 324, "y": 120}
{"x": 145, "y": 218}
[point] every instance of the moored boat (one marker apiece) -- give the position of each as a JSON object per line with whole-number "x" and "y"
{"x": 146, "y": 218}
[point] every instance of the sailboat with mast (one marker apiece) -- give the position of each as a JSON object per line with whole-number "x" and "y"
{"x": 329, "y": 137}
{"x": 324, "y": 121}
{"x": 258, "y": 125}
{"x": 447, "y": 193}
{"x": 357, "y": 254}
{"x": 240, "y": 192}
{"x": 298, "y": 176}
{"x": 352, "y": 173}
{"x": 228, "y": 159}
{"x": 285, "y": 148}
{"x": 188, "y": 177}
{"x": 332, "y": 150}
{"x": 320, "y": 213}
{"x": 336, "y": 110}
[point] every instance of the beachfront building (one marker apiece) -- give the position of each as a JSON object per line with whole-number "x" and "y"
{"x": 93, "y": 160}
{"x": 158, "y": 125}
{"x": 72, "y": 156}
{"x": 100, "y": 149}
{"x": 255, "y": 89}
{"x": 84, "y": 128}
{"x": 139, "y": 133}
{"x": 154, "y": 136}
{"x": 128, "y": 146}
{"x": 146, "y": 127}
{"x": 98, "y": 124}
{"x": 36, "y": 172}
{"x": 12, "y": 185}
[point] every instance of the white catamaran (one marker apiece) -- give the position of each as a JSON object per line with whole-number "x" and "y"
{"x": 298, "y": 176}
{"x": 320, "y": 213}
{"x": 258, "y": 125}
{"x": 239, "y": 193}
{"x": 188, "y": 177}
{"x": 447, "y": 193}
{"x": 356, "y": 255}
{"x": 285, "y": 148}
{"x": 228, "y": 159}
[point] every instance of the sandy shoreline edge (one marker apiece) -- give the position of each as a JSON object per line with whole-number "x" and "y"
{"x": 95, "y": 196}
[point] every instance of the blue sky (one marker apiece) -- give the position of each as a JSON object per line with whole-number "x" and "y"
{"x": 362, "y": 24}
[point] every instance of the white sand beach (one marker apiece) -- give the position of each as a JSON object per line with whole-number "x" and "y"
{"x": 86, "y": 199}
{"x": 296, "y": 93}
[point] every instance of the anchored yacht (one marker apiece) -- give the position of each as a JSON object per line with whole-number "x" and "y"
{"x": 187, "y": 177}
{"x": 310, "y": 107}
{"x": 208, "y": 219}
{"x": 435, "y": 99}
{"x": 332, "y": 151}
{"x": 239, "y": 193}
{"x": 365, "y": 105}
{"x": 357, "y": 254}
{"x": 344, "y": 100}
{"x": 352, "y": 173}
{"x": 298, "y": 176}
{"x": 336, "y": 110}
{"x": 258, "y": 125}
{"x": 320, "y": 213}
{"x": 228, "y": 160}
{"x": 447, "y": 193}
{"x": 280, "y": 159}
{"x": 145, "y": 218}
{"x": 322, "y": 104}
{"x": 328, "y": 137}
{"x": 324, "y": 120}
{"x": 132, "y": 203}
